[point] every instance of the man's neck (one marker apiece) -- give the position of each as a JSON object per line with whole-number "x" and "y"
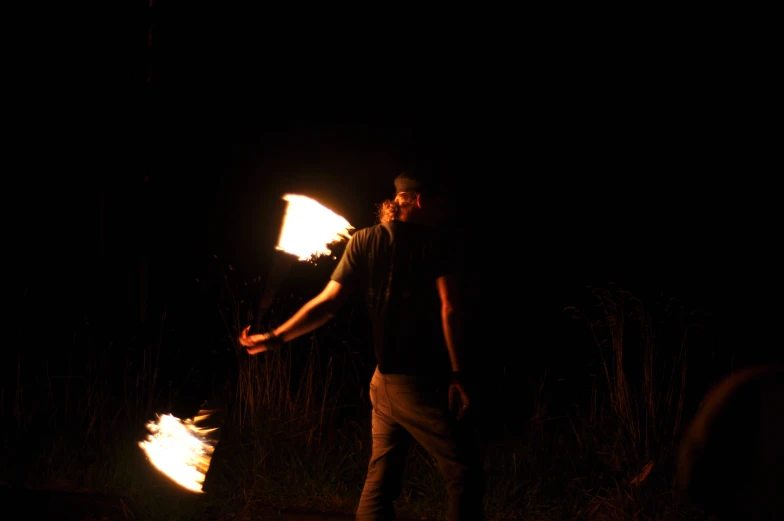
{"x": 418, "y": 222}
{"x": 409, "y": 218}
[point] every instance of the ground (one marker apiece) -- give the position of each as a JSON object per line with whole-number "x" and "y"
{"x": 45, "y": 504}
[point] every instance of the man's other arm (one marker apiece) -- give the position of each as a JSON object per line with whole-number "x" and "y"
{"x": 452, "y": 319}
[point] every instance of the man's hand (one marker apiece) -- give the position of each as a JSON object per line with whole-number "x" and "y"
{"x": 458, "y": 399}
{"x": 255, "y": 344}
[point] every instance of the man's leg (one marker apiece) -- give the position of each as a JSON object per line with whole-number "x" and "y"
{"x": 385, "y": 472}
{"x": 426, "y": 416}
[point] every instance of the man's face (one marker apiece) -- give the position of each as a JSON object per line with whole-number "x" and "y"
{"x": 405, "y": 199}
{"x": 400, "y": 208}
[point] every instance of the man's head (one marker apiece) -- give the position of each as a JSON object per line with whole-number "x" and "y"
{"x": 419, "y": 197}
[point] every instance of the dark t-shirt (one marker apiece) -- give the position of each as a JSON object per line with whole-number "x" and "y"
{"x": 395, "y": 265}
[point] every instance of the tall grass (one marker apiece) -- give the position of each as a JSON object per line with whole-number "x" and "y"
{"x": 636, "y": 412}
{"x": 71, "y": 412}
{"x": 614, "y": 461}
{"x": 286, "y": 444}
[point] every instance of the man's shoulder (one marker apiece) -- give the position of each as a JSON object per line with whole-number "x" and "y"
{"x": 369, "y": 232}
{"x": 382, "y": 231}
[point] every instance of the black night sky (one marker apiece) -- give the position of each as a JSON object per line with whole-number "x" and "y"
{"x": 149, "y": 168}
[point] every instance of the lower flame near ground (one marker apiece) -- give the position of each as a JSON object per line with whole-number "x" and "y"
{"x": 180, "y": 449}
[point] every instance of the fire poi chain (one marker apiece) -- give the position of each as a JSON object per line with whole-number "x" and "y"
{"x": 182, "y": 450}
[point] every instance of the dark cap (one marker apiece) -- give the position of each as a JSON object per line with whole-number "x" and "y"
{"x": 405, "y": 182}
{"x": 421, "y": 181}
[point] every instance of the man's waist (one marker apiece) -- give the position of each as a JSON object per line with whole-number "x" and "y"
{"x": 419, "y": 375}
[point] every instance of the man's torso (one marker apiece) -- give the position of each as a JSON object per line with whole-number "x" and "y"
{"x": 395, "y": 265}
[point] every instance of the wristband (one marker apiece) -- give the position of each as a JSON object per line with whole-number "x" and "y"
{"x": 272, "y": 339}
{"x": 457, "y": 377}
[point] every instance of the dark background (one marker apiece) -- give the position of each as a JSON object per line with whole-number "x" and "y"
{"x": 575, "y": 165}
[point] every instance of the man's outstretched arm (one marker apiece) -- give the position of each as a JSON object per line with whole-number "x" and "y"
{"x": 314, "y": 314}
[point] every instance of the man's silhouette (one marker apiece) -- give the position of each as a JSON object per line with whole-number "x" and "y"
{"x": 403, "y": 268}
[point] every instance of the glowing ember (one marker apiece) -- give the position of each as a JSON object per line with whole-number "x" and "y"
{"x": 179, "y": 449}
{"x": 309, "y": 227}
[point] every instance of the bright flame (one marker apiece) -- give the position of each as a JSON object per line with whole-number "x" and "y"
{"x": 179, "y": 449}
{"x": 308, "y": 227}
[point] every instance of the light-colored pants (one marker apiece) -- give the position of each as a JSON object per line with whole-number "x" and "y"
{"x": 406, "y": 407}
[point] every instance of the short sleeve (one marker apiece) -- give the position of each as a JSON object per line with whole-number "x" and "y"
{"x": 347, "y": 269}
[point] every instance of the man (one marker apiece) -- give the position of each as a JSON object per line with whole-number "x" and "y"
{"x": 405, "y": 273}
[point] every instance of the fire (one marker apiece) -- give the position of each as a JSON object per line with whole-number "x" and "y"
{"x": 308, "y": 228}
{"x": 179, "y": 449}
